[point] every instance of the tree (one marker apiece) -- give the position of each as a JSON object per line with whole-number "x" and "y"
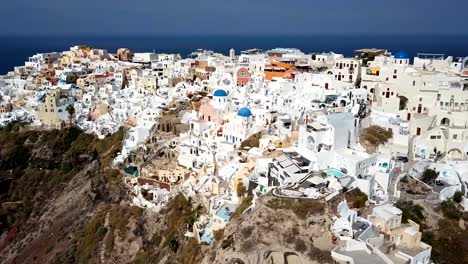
{"x": 241, "y": 190}
{"x": 457, "y": 197}
{"x": 71, "y": 79}
{"x": 71, "y": 111}
{"x": 429, "y": 175}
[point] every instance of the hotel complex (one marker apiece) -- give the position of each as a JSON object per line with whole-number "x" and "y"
{"x": 278, "y": 122}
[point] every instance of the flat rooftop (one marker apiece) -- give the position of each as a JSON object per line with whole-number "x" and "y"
{"x": 362, "y": 257}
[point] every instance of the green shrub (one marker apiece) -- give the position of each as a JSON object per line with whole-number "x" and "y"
{"x": 448, "y": 242}
{"x": 376, "y": 135}
{"x": 88, "y": 243}
{"x": 450, "y": 210}
{"x": 218, "y": 234}
{"x": 457, "y": 197}
{"x": 253, "y": 141}
{"x": 357, "y": 198}
{"x": 411, "y": 211}
{"x": 244, "y": 204}
{"x": 428, "y": 176}
{"x": 300, "y": 245}
{"x": 241, "y": 190}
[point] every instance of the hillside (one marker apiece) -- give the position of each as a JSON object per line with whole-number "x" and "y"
{"x": 63, "y": 203}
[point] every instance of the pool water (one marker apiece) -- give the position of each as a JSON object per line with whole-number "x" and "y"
{"x": 336, "y": 173}
{"x": 226, "y": 211}
{"x": 207, "y": 234}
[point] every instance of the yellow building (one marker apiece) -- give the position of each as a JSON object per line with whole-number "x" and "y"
{"x": 239, "y": 178}
{"x": 47, "y": 113}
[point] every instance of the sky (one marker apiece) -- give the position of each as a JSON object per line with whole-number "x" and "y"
{"x": 232, "y": 17}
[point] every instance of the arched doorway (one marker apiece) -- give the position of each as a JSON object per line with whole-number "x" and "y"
{"x": 455, "y": 154}
{"x": 445, "y": 121}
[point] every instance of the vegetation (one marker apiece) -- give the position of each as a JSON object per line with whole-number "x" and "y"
{"x": 457, "y": 197}
{"x": 34, "y": 164}
{"x": 321, "y": 256}
{"x": 302, "y": 208}
{"x": 71, "y": 79}
{"x": 241, "y": 190}
{"x": 71, "y": 111}
{"x": 253, "y": 141}
{"x": 411, "y": 211}
{"x": 376, "y": 135}
{"x": 119, "y": 218}
{"x": 244, "y": 204}
{"x": 449, "y": 242}
{"x": 88, "y": 244}
{"x": 218, "y": 234}
{"x": 180, "y": 214}
{"x": 300, "y": 245}
{"x": 450, "y": 210}
{"x": 356, "y": 198}
{"x": 429, "y": 176}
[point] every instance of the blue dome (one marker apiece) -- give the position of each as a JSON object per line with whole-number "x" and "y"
{"x": 244, "y": 112}
{"x": 402, "y": 55}
{"x": 220, "y": 92}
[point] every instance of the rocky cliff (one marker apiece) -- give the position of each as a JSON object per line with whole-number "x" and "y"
{"x": 62, "y": 202}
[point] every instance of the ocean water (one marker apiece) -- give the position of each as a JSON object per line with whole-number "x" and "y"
{"x": 15, "y": 50}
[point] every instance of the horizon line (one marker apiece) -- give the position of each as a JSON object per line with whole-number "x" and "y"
{"x": 357, "y": 34}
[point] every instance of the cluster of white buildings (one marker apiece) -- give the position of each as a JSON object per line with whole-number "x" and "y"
{"x": 277, "y": 120}
{"x": 381, "y": 238}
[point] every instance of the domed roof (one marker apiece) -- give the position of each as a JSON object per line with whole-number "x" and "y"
{"x": 402, "y": 55}
{"x": 244, "y": 112}
{"x": 220, "y": 92}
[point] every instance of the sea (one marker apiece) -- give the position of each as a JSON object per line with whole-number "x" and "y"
{"x": 14, "y": 50}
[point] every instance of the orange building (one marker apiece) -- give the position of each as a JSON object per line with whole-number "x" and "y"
{"x": 278, "y": 69}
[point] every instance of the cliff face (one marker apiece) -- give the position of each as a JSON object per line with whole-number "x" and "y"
{"x": 276, "y": 231}
{"x": 63, "y": 203}
{"x": 53, "y": 182}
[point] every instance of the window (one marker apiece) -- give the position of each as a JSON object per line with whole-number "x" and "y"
{"x": 394, "y": 71}
{"x": 455, "y": 136}
{"x": 394, "y": 76}
{"x": 433, "y": 137}
{"x": 414, "y": 83}
{"x": 420, "y": 99}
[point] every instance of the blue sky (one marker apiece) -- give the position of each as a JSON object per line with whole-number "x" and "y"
{"x": 230, "y": 17}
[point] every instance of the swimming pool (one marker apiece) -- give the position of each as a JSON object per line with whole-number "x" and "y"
{"x": 226, "y": 211}
{"x": 336, "y": 173}
{"x": 207, "y": 234}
